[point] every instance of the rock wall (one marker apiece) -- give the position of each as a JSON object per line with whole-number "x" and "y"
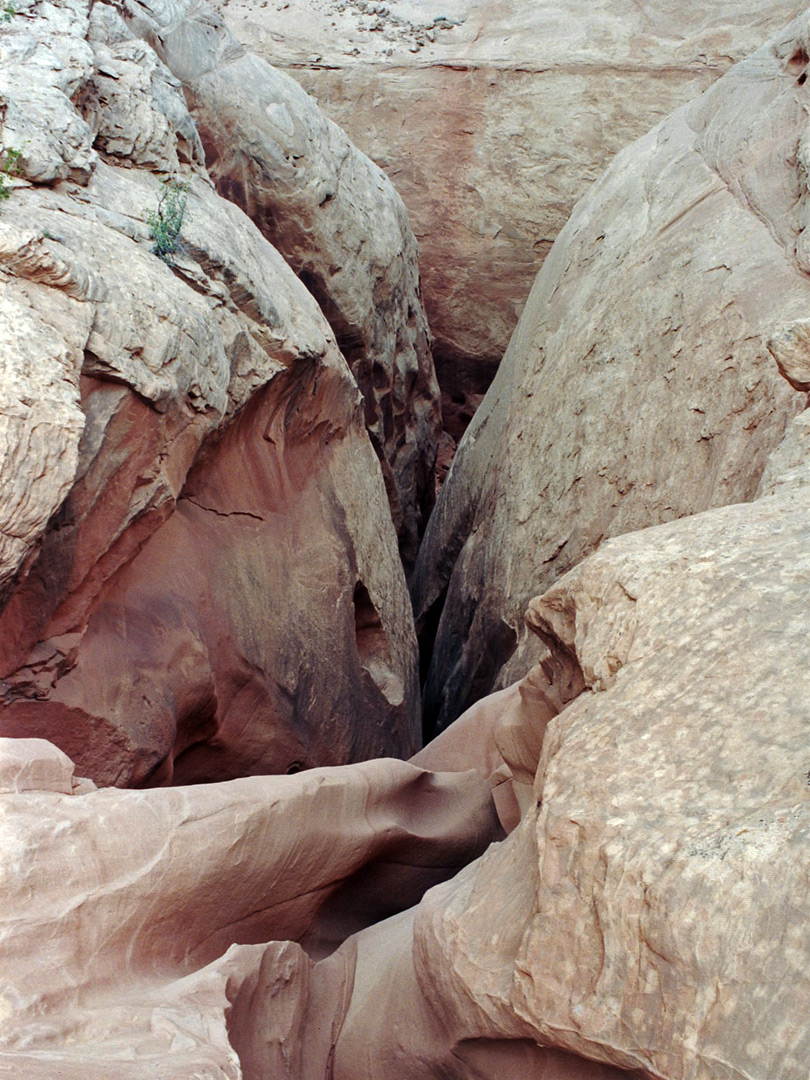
{"x": 601, "y": 870}
{"x": 337, "y": 220}
{"x": 200, "y": 574}
{"x": 493, "y": 118}
{"x": 648, "y": 912}
{"x": 643, "y": 382}
{"x": 645, "y": 918}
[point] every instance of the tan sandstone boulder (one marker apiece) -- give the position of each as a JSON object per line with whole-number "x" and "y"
{"x": 649, "y": 912}
{"x": 493, "y": 117}
{"x": 337, "y": 220}
{"x": 643, "y": 382}
{"x": 198, "y": 556}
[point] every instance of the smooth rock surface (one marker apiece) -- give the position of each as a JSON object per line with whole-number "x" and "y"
{"x": 335, "y": 217}
{"x": 146, "y": 954}
{"x": 200, "y": 556}
{"x": 493, "y": 117}
{"x": 642, "y": 382}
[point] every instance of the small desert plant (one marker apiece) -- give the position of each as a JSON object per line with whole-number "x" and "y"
{"x": 7, "y": 12}
{"x": 10, "y": 166}
{"x": 166, "y": 221}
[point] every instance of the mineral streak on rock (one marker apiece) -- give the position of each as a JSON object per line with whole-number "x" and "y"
{"x": 493, "y": 118}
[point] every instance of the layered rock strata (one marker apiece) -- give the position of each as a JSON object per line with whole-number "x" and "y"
{"x": 337, "y": 220}
{"x": 200, "y": 574}
{"x": 644, "y": 381}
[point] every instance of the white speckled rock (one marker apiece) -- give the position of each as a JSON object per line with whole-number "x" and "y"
{"x": 650, "y": 911}
{"x": 641, "y": 383}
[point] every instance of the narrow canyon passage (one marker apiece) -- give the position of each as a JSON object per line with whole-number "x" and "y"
{"x": 322, "y": 758}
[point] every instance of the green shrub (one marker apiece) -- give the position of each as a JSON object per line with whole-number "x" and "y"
{"x": 10, "y": 166}
{"x": 166, "y": 221}
{"x": 7, "y": 12}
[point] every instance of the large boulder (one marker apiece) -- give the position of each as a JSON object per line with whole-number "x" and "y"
{"x": 335, "y": 217}
{"x": 649, "y": 912}
{"x": 645, "y": 379}
{"x": 493, "y": 117}
{"x": 198, "y": 557}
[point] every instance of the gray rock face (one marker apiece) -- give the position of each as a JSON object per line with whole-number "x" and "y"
{"x": 198, "y": 559}
{"x": 337, "y": 220}
{"x": 641, "y": 383}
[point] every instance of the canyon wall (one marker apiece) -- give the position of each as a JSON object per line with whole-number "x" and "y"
{"x": 493, "y": 117}
{"x": 200, "y": 573}
{"x": 598, "y": 871}
{"x": 643, "y": 382}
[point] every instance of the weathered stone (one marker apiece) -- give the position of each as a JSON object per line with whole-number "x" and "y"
{"x": 639, "y": 385}
{"x": 335, "y": 217}
{"x": 254, "y": 605}
{"x": 131, "y": 922}
{"x": 493, "y": 127}
{"x": 648, "y": 912}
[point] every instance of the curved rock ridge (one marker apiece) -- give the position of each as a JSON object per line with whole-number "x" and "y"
{"x": 335, "y": 217}
{"x": 493, "y": 117}
{"x": 150, "y": 955}
{"x": 644, "y": 381}
{"x": 198, "y": 561}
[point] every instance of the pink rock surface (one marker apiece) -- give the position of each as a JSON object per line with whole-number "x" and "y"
{"x": 648, "y": 911}
{"x": 215, "y": 578}
{"x": 150, "y": 907}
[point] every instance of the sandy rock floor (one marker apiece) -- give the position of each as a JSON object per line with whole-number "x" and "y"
{"x": 351, "y": 28}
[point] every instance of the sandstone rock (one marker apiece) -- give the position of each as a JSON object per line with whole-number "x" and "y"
{"x": 250, "y": 611}
{"x": 640, "y": 384}
{"x": 34, "y": 765}
{"x": 496, "y": 125}
{"x": 334, "y": 216}
{"x": 146, "y": 954}
{"x": 648, "y": 912}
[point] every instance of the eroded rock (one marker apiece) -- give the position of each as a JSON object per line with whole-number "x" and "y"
{"x": 149, "y": 954}
{"x": 249, "y": 613}
{"x": 493, "y": 118}
{"x": 640, "y": 384}
{"x": 337, "y": 220}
